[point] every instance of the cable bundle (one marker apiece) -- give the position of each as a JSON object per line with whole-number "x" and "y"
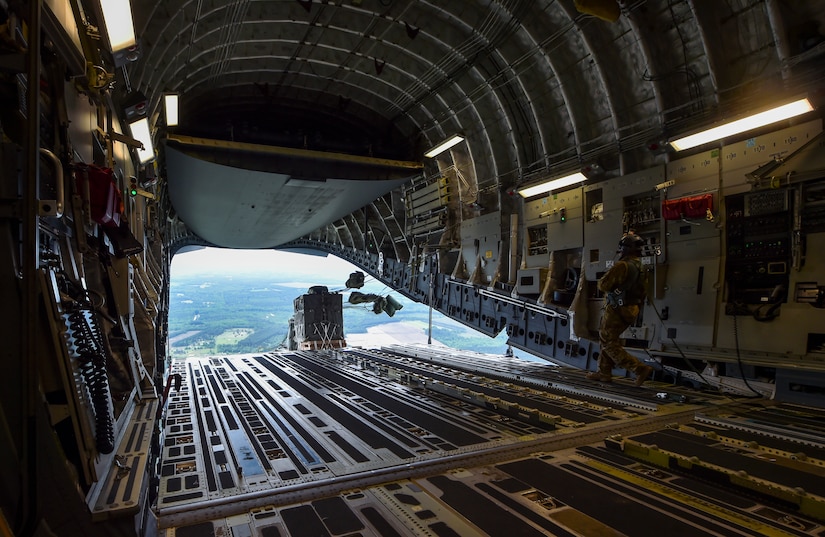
{"x": 91, "y": 355}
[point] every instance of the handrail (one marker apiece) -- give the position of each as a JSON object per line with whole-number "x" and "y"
{"x": 58, "y": 168}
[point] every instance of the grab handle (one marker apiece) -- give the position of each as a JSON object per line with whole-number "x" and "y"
{"x": 53, "y": 207}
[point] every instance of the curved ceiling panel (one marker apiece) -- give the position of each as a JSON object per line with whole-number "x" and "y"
{"x": 536, "y": 87}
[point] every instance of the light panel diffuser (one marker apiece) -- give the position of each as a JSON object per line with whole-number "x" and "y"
{"x": 170, "y": 106}
{"x": 739, "y": 126}
{"x": 141, "y": 133}
{"x": 117, "y": 16}
{"x": 554, "y": 184}
{"x": 443, "y": 146}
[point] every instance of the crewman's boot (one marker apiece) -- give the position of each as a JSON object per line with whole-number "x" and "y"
{"x": 643, "y": 372}
{"x": 599, "y": 376}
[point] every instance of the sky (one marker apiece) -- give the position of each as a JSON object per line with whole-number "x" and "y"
{"x": 297, "y": 270}
{"x": 257, "y": 261}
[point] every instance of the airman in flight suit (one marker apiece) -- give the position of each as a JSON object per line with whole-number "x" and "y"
{"x": 624, "y": 288}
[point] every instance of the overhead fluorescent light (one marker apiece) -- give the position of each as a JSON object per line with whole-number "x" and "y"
{"x": 141, "y": 133}
{"x": 445, "y": 145}
{"x": 117, "y": 16}
{"x": 739, "y": 126}
{"x": 170, "y": 106}
{"x": 554, "y": 184}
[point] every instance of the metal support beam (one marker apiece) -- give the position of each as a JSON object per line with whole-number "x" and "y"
{"x": 29, "y": 263}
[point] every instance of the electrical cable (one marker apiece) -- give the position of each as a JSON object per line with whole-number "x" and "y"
{"x": 739, "y": 356}
{"x": 687, "y": 361}
{"x": 682, "y": 354}
{"x": 690, "y": 365}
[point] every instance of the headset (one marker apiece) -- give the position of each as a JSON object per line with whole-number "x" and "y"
{"x": 630, "y": 242}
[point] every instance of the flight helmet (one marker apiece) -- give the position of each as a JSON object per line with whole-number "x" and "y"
{"x": 631, "y": 243}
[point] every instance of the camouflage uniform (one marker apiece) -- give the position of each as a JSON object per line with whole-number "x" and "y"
{"x": 616, "y": 319}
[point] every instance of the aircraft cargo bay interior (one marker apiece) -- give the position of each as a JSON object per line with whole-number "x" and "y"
{"x": 630, "y": 192}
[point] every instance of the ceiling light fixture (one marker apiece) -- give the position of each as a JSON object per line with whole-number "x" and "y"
{"x": 141, "y": 133}
{"x": 553, "y": 184}
{"x": 117, "y": 16}
{"x": 445, "y": 145}
{"x": 739, "y": 126}
{"x": 170, "y": 106}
